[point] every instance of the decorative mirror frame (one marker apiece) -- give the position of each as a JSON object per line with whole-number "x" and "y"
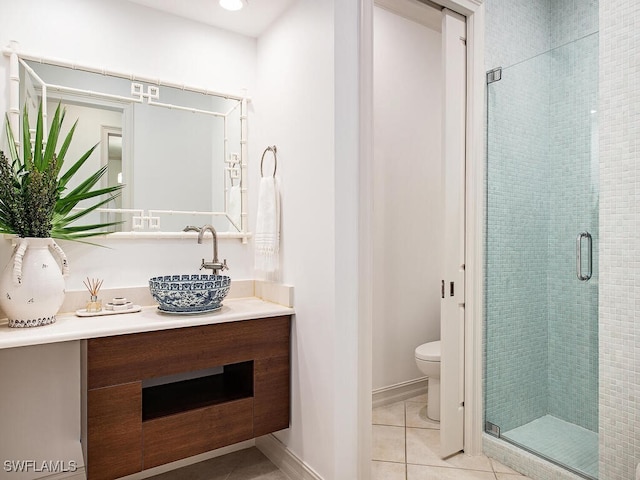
{"x": 141, "y": 217}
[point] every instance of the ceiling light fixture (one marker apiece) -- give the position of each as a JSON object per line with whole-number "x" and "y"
{"x": 232, "y": 5}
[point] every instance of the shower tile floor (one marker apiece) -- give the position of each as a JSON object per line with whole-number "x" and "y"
{"x": 406, "y": 446}
{"x": 569, "y": 444}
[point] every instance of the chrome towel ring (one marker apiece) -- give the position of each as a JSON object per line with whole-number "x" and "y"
{"x": 273, "y": 150}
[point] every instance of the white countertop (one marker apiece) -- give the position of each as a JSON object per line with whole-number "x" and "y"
{"x": 71, "y": 327}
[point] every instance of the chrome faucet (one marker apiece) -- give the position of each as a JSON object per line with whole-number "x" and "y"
{"x": 215, "y": 266}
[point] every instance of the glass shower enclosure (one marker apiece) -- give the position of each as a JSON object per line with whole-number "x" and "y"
{"x": 541, "y": 365}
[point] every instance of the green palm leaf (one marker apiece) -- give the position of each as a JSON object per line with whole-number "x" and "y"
{"x": 83, "y": 228}
{"x": 65, "y": 205}
{"x": 13, "y": 149}
{"x": 52, "y": 140}
{"x": 76, "y": 166}
{"x": 79, "y": 237}
{"x": 37, "y": 146}
{"x": 26, "y": 141}
{"x": 63, "y": 221}
{"x": 65, "y": 145}
{"x": 33, "y": 197}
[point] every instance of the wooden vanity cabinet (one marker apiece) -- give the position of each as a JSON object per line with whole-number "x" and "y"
{"x": 135, "y": 422}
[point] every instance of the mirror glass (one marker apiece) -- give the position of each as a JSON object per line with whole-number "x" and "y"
{"x": 178, "y": 151}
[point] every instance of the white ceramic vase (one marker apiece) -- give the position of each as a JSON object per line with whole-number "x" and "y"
{"x": 32, "y": 284}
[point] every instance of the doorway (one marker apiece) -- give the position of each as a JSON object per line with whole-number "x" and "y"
{"x": 419, "y": 227}
{"x": 473, "y": 11}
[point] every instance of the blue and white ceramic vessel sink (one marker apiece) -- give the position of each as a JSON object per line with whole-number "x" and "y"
{"x": 189, "y": 293}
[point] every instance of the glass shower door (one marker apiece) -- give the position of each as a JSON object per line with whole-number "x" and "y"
{"x": 541, "y": 387}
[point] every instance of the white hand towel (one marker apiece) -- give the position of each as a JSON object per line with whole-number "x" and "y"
{"x": 234, "y": 202}
{"x": 267, "y": 236}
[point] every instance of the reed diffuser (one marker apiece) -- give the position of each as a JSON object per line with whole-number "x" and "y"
{"x": 93, "y": 285}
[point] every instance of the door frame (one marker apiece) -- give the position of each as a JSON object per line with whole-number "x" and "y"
{"x": 473, "y": 10}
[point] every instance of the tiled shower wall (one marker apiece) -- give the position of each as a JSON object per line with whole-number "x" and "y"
{"x": 620, "y": 238}
{"x": 516, "y": 30}
{"x": 572, "y": 20}
{"x": 517, "y": 314}
{"x": 516, "y": 317}
{"x": 542, "y": 190}
{"x": 573, "y": 304}
{"x": 517, "y": 232}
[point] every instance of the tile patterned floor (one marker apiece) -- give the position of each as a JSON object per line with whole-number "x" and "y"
{"x": 249, "y": 464}
{"x": 406, "y": 446}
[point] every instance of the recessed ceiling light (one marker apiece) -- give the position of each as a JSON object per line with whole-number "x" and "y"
{"x": 232, "y": 5}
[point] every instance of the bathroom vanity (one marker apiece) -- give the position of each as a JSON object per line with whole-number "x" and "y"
{"x": 155, "y": 388}
{"x": 134, "y": 424}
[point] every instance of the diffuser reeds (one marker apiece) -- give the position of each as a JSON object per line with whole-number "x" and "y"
{"x": 93, "y": 285}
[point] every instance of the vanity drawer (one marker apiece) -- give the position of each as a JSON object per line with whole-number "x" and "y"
{"x": 127, "y": 358}
{"x": 115, "y": 436}
{"x": 271, "y": 395}
{"x": 182, "y": 435}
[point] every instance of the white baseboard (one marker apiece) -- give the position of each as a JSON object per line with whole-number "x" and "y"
{"x": 399, "y": 392}
{"x": 285, "y": 459}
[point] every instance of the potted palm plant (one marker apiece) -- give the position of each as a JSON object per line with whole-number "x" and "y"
{"x": 37, "y": 206}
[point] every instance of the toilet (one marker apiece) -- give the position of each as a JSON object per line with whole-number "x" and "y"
{"x": 428, "y": 361}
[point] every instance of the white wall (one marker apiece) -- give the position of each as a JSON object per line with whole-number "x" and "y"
{"x": 294, "y": 111}
{"x": 306, "y": 103}
{"x": 407, "y": 194}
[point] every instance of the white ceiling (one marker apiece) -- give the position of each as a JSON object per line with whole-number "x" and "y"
{"x": 252, "y": 20}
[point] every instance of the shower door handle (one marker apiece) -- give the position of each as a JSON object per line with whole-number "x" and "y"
{"x": 582, "y": 235}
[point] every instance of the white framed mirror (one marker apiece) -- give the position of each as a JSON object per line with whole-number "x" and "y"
{"x": 181, "y": 151}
